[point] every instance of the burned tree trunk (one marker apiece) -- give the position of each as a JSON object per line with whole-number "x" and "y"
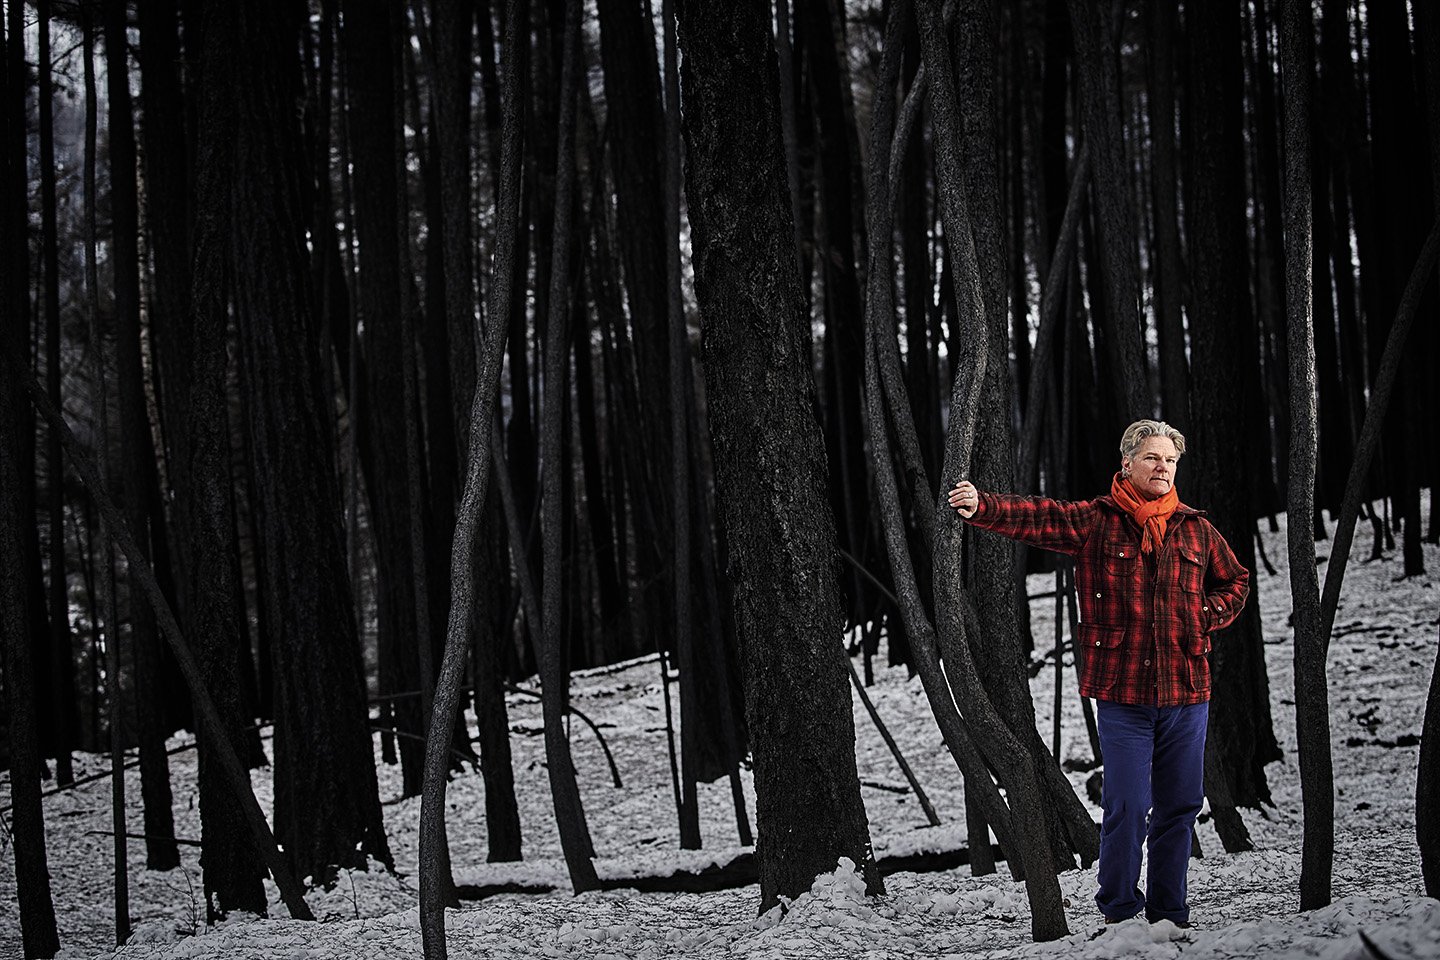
{"x": 327, "y": 808}
{"x": 1225, "y": 458}
{"x": 137, "y": 458}
{"x": 1312, "y": 700}
{"x": 17, "y": 510}
{"x": 554, "y": 678}
{"x": 232, "y": 865}
{"x": 770, "y": 462}
{"x": 434, "y": 879}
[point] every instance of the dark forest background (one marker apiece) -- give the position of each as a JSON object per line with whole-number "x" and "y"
{"x": 261, "y": 256}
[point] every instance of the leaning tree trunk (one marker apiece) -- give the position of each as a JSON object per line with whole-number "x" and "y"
{"x": 981, "y": 796}
{"x": 770, "y": 466}
{"x": 433, "y": 864}
{"x": 992, "y": 567}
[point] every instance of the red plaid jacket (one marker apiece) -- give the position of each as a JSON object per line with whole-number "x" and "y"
{"x": 1145, "y": 623}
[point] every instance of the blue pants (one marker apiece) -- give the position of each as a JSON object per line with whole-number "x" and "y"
{"x": 1154, "y": 784}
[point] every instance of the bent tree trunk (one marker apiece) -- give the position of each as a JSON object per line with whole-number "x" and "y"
{"x": 1013, "y": 762}
{"x": 981, "y": 793}
{"x": 434, "y": 886}
{"x": 770, "y": 461}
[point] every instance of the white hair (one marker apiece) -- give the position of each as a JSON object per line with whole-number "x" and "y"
{"x": 1142, "y": 430}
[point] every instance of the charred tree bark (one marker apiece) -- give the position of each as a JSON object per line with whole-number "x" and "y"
{"x": 1098, "y": 64}
{"x": 1223, "y": 411}
{"x": 992, "y": 569}
{"x": 1168, "y": 270}
{"x": 106, "y": 574}
{"x": 769, "y": 460}
{"x": 232, "y": 865}
{"x": 1398, "y": 149}
{"x": 679, "y": 381}
{"x": 17, "y": 511}
{"x": 327, "y": 809}
{"x": 843, "y": 308}
{"x": 61, "y": 661}
{"x": 434, "y": 888}
{"x": 453, "y": 24}
{"x": 367, "y": 39}
{"x": 554, "y": 678}
{"x": 137, "y": 457}
{"x": 502, "y": 814}
{"x": 1427, "y": 787}
{"x": 1014, "y": 766}
{"x": 1312, "y": 700}
{"x": 981, "y": 796}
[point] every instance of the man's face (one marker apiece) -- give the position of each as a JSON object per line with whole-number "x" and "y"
{"x": 1152, "y": 469}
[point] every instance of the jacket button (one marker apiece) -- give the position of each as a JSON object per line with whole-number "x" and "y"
{"x": 1097, "y": 596}
{"x": 1147, "y": 663}
{"x": 1204, "y": 608}
{"x": 1097, "y": 643}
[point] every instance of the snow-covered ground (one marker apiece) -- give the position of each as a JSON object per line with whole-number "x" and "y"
{"x": 1243, "y": 905}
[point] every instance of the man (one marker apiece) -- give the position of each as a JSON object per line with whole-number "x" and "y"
{"x": 1155, "y": 579}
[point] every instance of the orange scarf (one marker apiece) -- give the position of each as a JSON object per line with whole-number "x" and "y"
{"x": 1151, "y": 515}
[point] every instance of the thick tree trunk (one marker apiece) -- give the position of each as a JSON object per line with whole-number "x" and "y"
{"x": 453, "y": 24}
{"x": 232, "y": 865}
{"x": 1269, "y": 256}
{"x": 770, "y": 464}
{"x": 554, "y": 678}
{"x": 327, "y": 809}
{"x": 1312, "y": 700}
{"x": 32, "y": 873}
